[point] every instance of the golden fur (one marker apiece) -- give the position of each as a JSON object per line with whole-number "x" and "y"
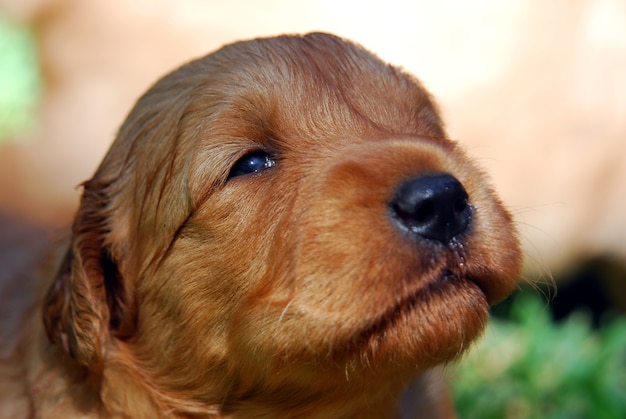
{"x": 187, "y": 292}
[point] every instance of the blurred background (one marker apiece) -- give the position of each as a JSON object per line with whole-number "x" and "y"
{"x": 535, "y": 90}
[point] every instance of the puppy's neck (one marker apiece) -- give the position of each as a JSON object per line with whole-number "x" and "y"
{"x": 123, "y": 390}
{"x": 297, "y": 396}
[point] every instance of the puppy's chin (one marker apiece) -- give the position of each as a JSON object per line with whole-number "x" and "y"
{"x": 432, "y": 324}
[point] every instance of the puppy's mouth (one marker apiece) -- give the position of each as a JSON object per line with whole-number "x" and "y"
{"x": 440, "y": 289}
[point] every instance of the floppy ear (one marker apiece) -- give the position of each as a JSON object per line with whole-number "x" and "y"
{"x": 86, "y": 302}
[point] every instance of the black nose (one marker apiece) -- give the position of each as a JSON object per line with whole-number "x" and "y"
{"x": 433, "y": 206}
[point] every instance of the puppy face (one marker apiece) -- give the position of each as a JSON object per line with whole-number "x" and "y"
{"x": 284, "y": 209}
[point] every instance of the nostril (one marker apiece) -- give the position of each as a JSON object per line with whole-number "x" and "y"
{"x": 460, "y": 205}
{"x": 434, "y": 207}
{"x": 425, "y": 212}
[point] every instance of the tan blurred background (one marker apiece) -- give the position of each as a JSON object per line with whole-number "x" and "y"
{"x": 535, "y": 90}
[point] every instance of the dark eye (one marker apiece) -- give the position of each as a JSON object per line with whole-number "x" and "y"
{"x": 253, "y": 162}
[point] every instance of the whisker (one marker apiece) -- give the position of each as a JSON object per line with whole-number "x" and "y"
{"x": 282, "y": 314}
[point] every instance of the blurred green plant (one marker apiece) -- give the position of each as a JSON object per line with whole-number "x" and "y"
{"x": 530, "y": 367}
{"x": 20, "y": 84}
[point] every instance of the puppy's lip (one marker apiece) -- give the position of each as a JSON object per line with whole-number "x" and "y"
{"x": 445, "y": 282}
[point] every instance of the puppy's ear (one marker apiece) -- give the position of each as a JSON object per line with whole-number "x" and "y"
{"x": 86, "y": 303}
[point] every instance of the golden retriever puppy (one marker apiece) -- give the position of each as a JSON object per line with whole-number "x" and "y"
{"x": 281, "y": 229}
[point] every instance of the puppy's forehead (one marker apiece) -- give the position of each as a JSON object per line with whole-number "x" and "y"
{"x": 314, "y": 87}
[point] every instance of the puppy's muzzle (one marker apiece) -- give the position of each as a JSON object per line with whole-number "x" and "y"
{"x": 434, "y": 207}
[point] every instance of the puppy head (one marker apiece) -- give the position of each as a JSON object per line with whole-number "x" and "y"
{"x": 283, "y": 207}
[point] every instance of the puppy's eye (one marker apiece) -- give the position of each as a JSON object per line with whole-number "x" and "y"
{"x": 253, "y": 162}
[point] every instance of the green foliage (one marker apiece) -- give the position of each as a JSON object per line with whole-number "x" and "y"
{"x": 19, "y": 79}
{"x": 529, "y": 367}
